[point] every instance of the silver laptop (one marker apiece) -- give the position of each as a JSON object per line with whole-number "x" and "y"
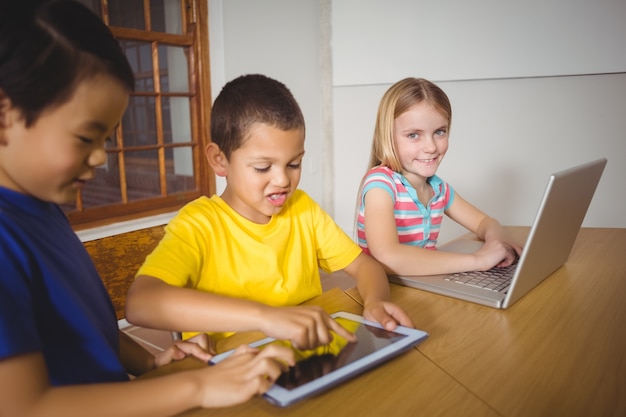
{"x": 549, "y": 243}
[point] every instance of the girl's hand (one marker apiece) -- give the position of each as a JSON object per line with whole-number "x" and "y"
{"x": 496, "y": 253}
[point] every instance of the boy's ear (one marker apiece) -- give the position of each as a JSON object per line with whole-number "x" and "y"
{"x": 216, "y": 158}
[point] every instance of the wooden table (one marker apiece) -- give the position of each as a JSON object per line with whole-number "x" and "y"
{"x": 558, "y": 351}
{"x": 408, "y": 385}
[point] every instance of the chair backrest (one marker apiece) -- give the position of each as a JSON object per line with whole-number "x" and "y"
{"x": 117, "y": 259}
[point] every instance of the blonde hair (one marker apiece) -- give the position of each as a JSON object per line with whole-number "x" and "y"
{"x": 399, "y": 98}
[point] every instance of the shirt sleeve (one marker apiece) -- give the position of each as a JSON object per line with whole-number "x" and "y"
{"x": 335, "y": 249}
{"x": 377, "y": 178}
{"x": 176, "y": 260}
{"x": 449, "y": 195}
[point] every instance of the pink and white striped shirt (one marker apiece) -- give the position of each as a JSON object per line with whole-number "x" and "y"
{"x": 416, "y": 225}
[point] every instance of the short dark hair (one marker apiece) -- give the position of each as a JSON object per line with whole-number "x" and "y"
{"x": 251, "y": 99}
{"x": 48, "y": 47}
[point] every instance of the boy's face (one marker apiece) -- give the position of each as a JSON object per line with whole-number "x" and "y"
{"x": 54, "y": 157}
{"x": 263, "y": 173}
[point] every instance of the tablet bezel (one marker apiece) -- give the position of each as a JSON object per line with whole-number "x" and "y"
{"x": 283, "y": 397}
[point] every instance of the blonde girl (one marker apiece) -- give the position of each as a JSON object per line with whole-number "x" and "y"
{"x": 402, "y": 201}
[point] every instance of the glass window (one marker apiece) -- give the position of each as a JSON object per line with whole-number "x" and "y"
{"x": 155, "y": 159}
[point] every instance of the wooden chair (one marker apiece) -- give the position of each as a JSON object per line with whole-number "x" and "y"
{"x": 118, "y": 258}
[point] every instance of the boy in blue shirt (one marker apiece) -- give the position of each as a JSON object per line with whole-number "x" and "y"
{"x": 61, "y": 352}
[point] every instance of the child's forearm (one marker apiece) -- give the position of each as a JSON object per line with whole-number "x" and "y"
{"x": 134, "y": 357}
{"x": 371, "y": 279}
{"x": 401, "y": 259}
{"x": 153, "y": 303}
{"x": 373, "y": 290}
{"x": 373, "y": 287}
{"x": 490, "y": 229}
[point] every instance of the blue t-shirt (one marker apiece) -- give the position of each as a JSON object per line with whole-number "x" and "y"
{"x": 52, "y": 299}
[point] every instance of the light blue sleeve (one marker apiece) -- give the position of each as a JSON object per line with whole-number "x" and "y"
{"x": 378, "y": 180}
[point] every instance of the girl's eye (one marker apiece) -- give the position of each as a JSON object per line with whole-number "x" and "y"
{"x": 295, "y": 166}
{"x": 441, "y": 132}
{"x": 413, "y": 135}
{"x": 266, "y": 169}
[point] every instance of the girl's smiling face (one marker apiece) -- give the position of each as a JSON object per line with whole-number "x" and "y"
{"x": 421, "y": 141}
{"x": 263, "y": 172}
{"x": 55, "y": 156}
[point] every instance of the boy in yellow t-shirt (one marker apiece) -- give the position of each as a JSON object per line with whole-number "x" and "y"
{"x": 244, "y": 260}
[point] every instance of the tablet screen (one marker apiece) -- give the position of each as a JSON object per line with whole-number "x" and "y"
{"x": 313, "y": 364}
{"x": 319, "y": 369}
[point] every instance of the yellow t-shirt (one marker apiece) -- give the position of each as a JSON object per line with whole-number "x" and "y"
{"x": 210, "y": 247}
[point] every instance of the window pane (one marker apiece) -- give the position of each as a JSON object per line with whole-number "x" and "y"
{"x": 176, "y": 120}
{"x": 139, "y": 122}
{"x": 179, "y": 170}
{"x": 142, "y": 174}
{"x": 179, "y": 167}
{"x": 174, "y": 69}
{"x": 177, "y": 129}
{"x": 139, "y": 55}
{"x": 126, "y": 13}
{"x": 165, "y": 16}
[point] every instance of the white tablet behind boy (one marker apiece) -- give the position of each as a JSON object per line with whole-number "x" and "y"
{"x": 320, "y": 369}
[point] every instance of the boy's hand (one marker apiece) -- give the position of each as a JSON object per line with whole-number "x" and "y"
{"x": 245, "y": 373}
{"x": 306, "y": 327}
{"x": 387, "y": 314}
{"x": 201, "y": 346}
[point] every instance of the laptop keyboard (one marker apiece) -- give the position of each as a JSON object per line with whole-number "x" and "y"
{"x": 495, "y": 279}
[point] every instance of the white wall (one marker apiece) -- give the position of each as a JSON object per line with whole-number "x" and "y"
{"x": 278, "y": 38}
{"x": 531, "y": 91}
{"x": 508, "y": 134}
{"x": 378, "y": 42}
{"x": 507, "y": 137}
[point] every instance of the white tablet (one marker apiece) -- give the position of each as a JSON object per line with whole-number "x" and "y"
{"x": 319, "y": 369}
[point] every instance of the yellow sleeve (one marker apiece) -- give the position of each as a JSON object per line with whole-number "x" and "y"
{"x": 176, "y": 260}
{"x": 335, "y": 249}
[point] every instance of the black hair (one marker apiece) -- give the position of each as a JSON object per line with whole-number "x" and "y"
{"x": 249, "y": 99}
{"x": 48, "y": 47}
